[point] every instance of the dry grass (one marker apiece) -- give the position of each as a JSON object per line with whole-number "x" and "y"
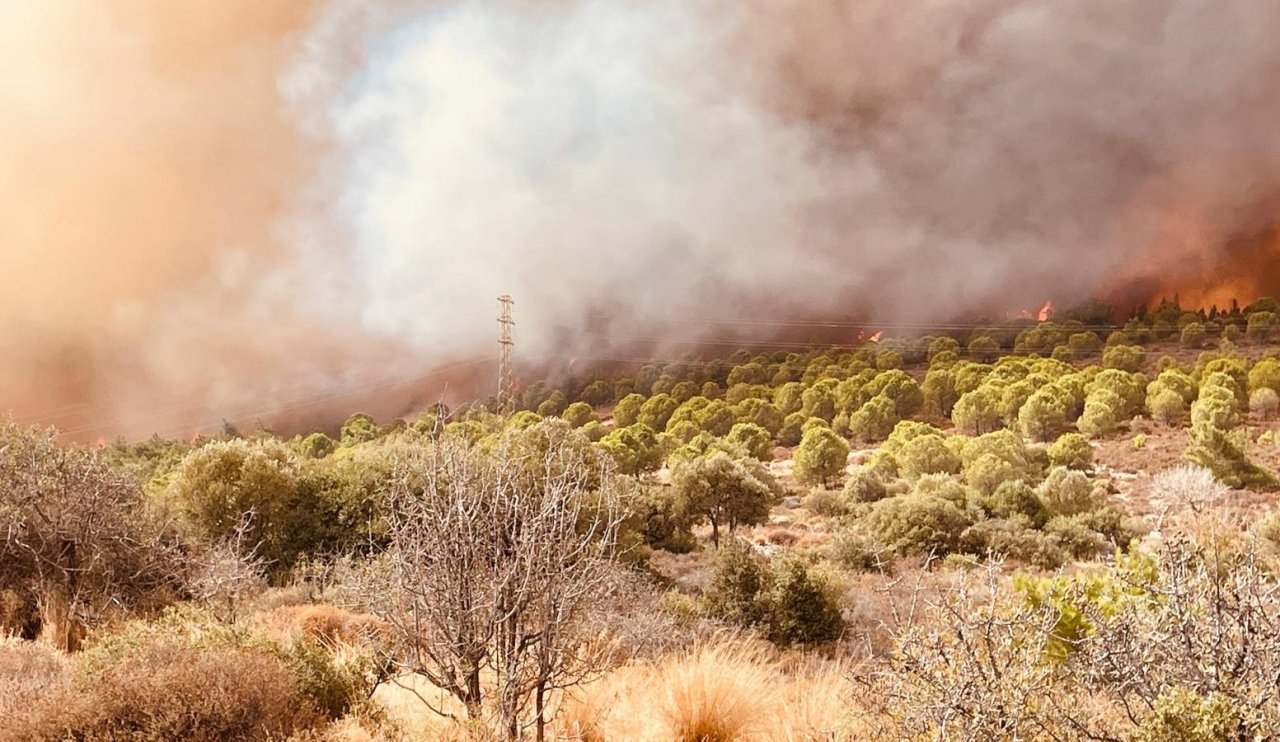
{"x": 734, "y": 689}
{"x": 323, "y": 623}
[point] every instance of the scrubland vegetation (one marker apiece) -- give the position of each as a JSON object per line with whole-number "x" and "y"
{"x": 1037, "y": 530}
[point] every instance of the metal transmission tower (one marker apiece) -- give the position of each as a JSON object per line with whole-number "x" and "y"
{"x": 506, "y": 376}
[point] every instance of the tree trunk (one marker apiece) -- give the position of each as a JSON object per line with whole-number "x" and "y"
{"x": 539, "y": 702}
{"x": 58, "y": 626}
{"x": 715, "y": 532}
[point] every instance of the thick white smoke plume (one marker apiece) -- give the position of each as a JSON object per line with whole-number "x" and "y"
{"x": 230, "y": 208}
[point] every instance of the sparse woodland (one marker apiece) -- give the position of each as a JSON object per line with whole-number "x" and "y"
{"x": 1036, "y": 530}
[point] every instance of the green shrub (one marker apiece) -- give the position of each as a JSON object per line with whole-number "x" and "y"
{"x": 867, "y": 484}
{"x": 579, "y": 414}
{"x": 1042, "y": 416}
{"x": 1264, "y": 403}
{"x": 1182, "y": 714}
{"x": 792, "y": 429}
{"x": 913, "y": 524}
{"x": 1071, "y": 450}
{"x": 825, "y": 502}
{"x": 875, "y": 419}
{"x": 737, "y": 580}
{"x": 1166, "y": 406}
{"x": 753, "y": 439}
{"x": 1015, "y": 498}
{"x": 1193, "y": 335}
{"x": 977, "y": 412}
{"x": 1067, "y": 492}
{"x": 627, "y": 410}
{"x": 821, "y": 456}
{"x": 1015, "y": 539}
{"x": 1122, "y": 357}
{"x": 1075, "y": 537}
{"x": 854, "y": 550}
{"x": 802, "y": 610}
{"x": 927, "y": 454}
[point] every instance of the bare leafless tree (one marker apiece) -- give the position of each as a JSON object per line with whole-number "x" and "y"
{"x": 229, "y": 572}
{"x": 1209, "y": 624}
{"x": 497, "y": 556}
{"x": 970, "y": 664}
{"x": 77, "y": 538}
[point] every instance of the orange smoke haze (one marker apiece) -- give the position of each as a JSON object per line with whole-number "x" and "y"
{"x": 287, "y": 210}
{"x": 146, "y": 161}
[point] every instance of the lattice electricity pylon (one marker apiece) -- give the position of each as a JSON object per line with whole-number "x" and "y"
{"x": 506, "y": 375}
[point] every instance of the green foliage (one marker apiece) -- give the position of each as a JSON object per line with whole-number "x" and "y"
{"x": 822, "y": 455}
{"x": 1122, "y": 357}
{"x": 657, "y": 410}
{"x": 984, "y": 349}
{"x": 867, "y": 484}
{"x": 1165, "y": 405}
{"x": 1084, "y": 344}
{"x": 724, "y": 489}
{"x": 939, "y": 390}
{"x": 789, "y": 397}
{"x": 897, "y": 386}
{"x": 875, "y": 419}
{"x": 1042, "y": 416}
{"x": 760, "y": 412}
{"x": 359, "y": 428}
{"x": 579, "y": 414}
{"x": 627, "y": 411}
{"x": 1100, "y": 414}
{"x": 819, "y": 401}
{"x": 926, "y": 454}
{"x": 553, "y": 405}
{"x": 917, "y": 524}
{"x": 652, "y": 519}
{"x": 1193, "y": 335}
{"x": 994, "y": 458}
{"x": 1067, "y": 492}
{"x": 1223, "y": 453}
{"x": 1071, "y": 450}
{"x": 1261, "y": 326}
{"x": 1264, "y": 403}
{"x": 825, "y": 502}
{"x": 1182, "y": 714}
{"x": 1265, "y": 374}
{"x": 316, "y": 446}
{"x": 977, "y": 412}
{"x": 792, "y": 429}
{"x": 634, "y": 449}
{"x": 802, "y": 610}
{"x": 1013, "y": 538}
{"x": 737, "y": 580}
{"x": 1013, "y": 498}
{"x": 1075, "y": 598}
{"x": 217, "y": 485}
{"x": 753, "y": 439}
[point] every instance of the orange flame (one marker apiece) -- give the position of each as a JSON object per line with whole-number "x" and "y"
{"x": 876, "y": 337}
{"x": 1046, "y": 311}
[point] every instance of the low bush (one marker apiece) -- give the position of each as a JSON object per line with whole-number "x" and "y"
{"x": 917, "y": 524}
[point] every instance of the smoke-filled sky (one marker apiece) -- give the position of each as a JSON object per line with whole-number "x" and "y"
{"x": 226, "y": 208}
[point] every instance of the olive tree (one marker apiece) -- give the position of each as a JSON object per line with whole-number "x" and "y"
{"x": 78, "y": 540}
{"x": 725, "y": 490}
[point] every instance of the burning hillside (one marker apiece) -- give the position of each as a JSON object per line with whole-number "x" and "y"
{"x": 232, "y": 206}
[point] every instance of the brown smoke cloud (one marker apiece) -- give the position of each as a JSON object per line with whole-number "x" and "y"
{"x": 146, "y": 162}
{"x": 243, "y": 209}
